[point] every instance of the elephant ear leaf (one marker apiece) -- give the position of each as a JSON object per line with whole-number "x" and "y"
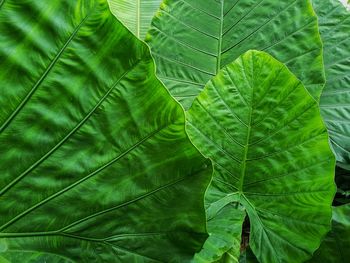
{"x": 136, "y": 14}
{"x": 265, "y": 135}
{"x": 335, "y": 247}
{"x": 334, "y": 21}
{"x": 91, "y": 143}
{"x": 192, "y": 40}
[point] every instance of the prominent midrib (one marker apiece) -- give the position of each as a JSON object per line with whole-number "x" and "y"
{"x": 138, "y": 19}
{"x": 246, "y": 147}
{"x": 245, "y": 154}
{"x": 60, "y": 143}
{"x": 218, "y": 58}
{"x": 57, "y": 194}
{"x": 42, "y": 78}
{"x": 61, "y": 231}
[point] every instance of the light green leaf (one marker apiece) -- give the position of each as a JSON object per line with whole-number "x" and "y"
{"x": 334, "y": 22}
{"x": 191, "y": 40}
{"x": 264, "y": 133}
{"x": 346, "y": 3}
{"x": 91, "y": 143}
{"x": 135, "y": 14}
{"x": 335, "y": 247}
{"x": 225, "y": 225}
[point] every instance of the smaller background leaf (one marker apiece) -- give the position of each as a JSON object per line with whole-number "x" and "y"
{"x": 335, "y": 247}
{"x": 334, "y": 24}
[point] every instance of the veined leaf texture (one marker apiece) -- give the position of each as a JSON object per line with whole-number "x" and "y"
{"x": 192, "y": 40}
{"x": 334, "y": 22}
{"x": 271, "y": 155}
{"x": 90, "y": 143}
{"x": 135, "y": 14}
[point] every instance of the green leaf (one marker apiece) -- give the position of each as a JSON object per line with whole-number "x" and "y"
{"x": 265, "y": 135}
{"x": 225, "y": 225}
{"x": 95, "y": 163}
{"x": 346, "y": 3}
{"x": 191, "y": 40}
{"x": 334, "y": 22}
{"x": 135, "y": 14}
{"x": 335, "y": 247}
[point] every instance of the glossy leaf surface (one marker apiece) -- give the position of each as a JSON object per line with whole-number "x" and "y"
{"x": 335, "y": 247}
{"x": 91, "y": 143}
{"x": 264, "y": 132}
{"x": 191, "y": 40}
{"x": 334, "y": 22}
{"x": 135, "y": 14}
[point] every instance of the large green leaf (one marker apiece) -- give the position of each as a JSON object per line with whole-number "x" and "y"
{"x": 95, "y": 163}
{"x": 264, "y": 133}
{"x": 334, "y": 22}
{"x": 191, "y": 40}
{"x": 335, "y": 247}
{"x": 135, "y": 14}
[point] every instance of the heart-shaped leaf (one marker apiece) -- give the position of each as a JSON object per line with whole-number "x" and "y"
{"x": 191, "y": 40}
{"x": 265, "y": 135}
{"x": 95, "y": 163}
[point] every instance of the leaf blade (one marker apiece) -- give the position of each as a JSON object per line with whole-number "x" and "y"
{"x": 91, "y": 142}
{"x": 334, "y": 27}
{"x": 281, "y": 143}
{"x": 136, "y": 15}
{"x": 192, "y": 40}
{"x": 334, "y": 248}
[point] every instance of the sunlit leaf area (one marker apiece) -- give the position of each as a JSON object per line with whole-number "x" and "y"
{"x": 174, "y": 131}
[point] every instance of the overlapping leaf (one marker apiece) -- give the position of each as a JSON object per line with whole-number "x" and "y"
{"x": 90, "y": 143}
{"x": 334, "y": 22}
{"x": 264, "y": 132}
{"x": 335, "y": 247}
{"x": 135, "y": 14}
{"x": 191, "y": 40}
{"x": 225, "y": 224}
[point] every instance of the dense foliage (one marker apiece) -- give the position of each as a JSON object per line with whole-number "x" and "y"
{"x": 174, "y": 131}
